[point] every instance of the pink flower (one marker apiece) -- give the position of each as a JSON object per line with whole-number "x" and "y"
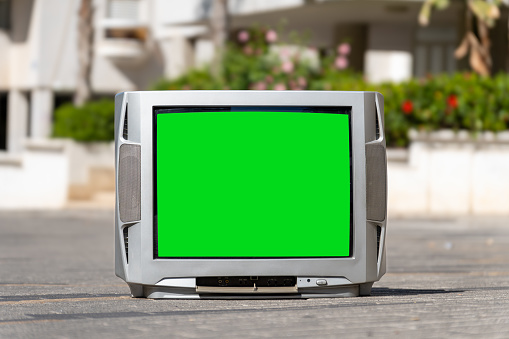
{"x": 284, "y": 53}
{"x": 341, "y": 62}
{"x": 243, "y": 36}
{"x": 280, "y": 87}
{"x": 344, "y": 49}
{"x": 287, "y": 67}
{"x": 269, "y": 78}
{"x": 302, "y": 82}
{"x": 260, "y": 86}
{"x": 248, "y": 50}
{"x": 271, "y": 36}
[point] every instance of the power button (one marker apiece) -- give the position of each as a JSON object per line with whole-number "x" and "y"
{"x": 321, "y": 282}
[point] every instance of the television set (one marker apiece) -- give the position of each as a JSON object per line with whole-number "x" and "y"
{"x": 250, "y": 194}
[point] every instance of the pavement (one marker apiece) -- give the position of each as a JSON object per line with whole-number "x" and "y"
{"x": 447, "y": 278}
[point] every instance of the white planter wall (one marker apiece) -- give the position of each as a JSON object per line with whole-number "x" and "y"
{"x": 441, "y": 174}
{"x": 38, "y": 178}
{"x": 448, "y": 174}
{"x": 84, "y": 156}
{"x": 45, "y": 173}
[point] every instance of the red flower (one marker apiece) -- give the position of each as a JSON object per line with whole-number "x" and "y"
{"x": 452, "y": 101}
{"x": 407, "y": 107}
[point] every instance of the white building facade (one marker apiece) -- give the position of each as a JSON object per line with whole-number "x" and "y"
{"x": 137, "y": 42}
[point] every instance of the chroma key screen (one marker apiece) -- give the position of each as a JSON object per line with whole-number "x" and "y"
{"x": 252, "y": 182}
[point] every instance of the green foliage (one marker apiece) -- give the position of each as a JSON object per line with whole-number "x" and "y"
{"x": 485, "y": 10}
{"x": 253, "y": 61}
{"x": 94, "y": 121}
{"x": 459, "y": 101}
{"x": 464, "y": 101}
{"x": 426, "y": 8}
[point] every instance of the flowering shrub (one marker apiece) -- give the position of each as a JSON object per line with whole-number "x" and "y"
{"x": 458, "y": 101}
{"x": 255, "y": 61}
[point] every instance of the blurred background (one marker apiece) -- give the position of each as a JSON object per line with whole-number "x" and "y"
{"x": 440, "y": 64}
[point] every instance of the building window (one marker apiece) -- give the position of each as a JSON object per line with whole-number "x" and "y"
{"x": 3, "y": 121}
{"x": 434, "y": 51}
{"x": 5, "y": 14}
{"x": 123, "y": 9}
{"x": 139, "y": 33}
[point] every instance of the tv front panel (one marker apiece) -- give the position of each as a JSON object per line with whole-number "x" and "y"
{"x": 250, "y": 194}
{"x": 250, "y": 183}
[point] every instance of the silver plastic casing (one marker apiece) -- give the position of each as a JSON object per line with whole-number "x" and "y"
{"x": 315, "y": 277}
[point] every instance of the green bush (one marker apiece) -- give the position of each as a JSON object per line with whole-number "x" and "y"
{"x": 458, "y": 101}
{"x": 94, "y": 121}
{"x": 462, "y": 101}
{"x": 251, "y": 63}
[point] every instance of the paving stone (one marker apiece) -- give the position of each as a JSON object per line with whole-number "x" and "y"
{"x": 446, "y": 278}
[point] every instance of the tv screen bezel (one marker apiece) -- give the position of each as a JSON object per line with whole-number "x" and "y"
{"x": 339, "y": 109}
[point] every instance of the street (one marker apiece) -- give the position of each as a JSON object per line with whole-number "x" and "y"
{"x": 447, "y": 278}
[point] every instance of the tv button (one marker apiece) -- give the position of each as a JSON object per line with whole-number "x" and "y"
{"x": 321, "y": 282}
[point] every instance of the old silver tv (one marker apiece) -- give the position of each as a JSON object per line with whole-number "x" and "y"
{"x": 250, "y": 194}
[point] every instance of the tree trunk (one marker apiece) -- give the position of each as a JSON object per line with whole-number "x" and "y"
{"x": 219, "y": 24}
{"x": 85, "y": 52}
{"x": 507, "y": 55}
{"x": 484, "y": 37}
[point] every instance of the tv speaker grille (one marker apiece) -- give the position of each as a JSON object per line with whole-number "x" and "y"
{"x": 129, "y": 183}
{"x": 376, "y": 182}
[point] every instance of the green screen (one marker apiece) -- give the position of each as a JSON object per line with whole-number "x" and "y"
{"x": 252, "y": 184}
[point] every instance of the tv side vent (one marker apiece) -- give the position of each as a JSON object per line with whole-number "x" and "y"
{"x": 126, "y": 243}
{"x": 125, "y": 131}
{"x": 129, "y": 183}
{"x": 376, "y": 182}
{"x": 378, "y": 234}
{"x": 377, "y": 128}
